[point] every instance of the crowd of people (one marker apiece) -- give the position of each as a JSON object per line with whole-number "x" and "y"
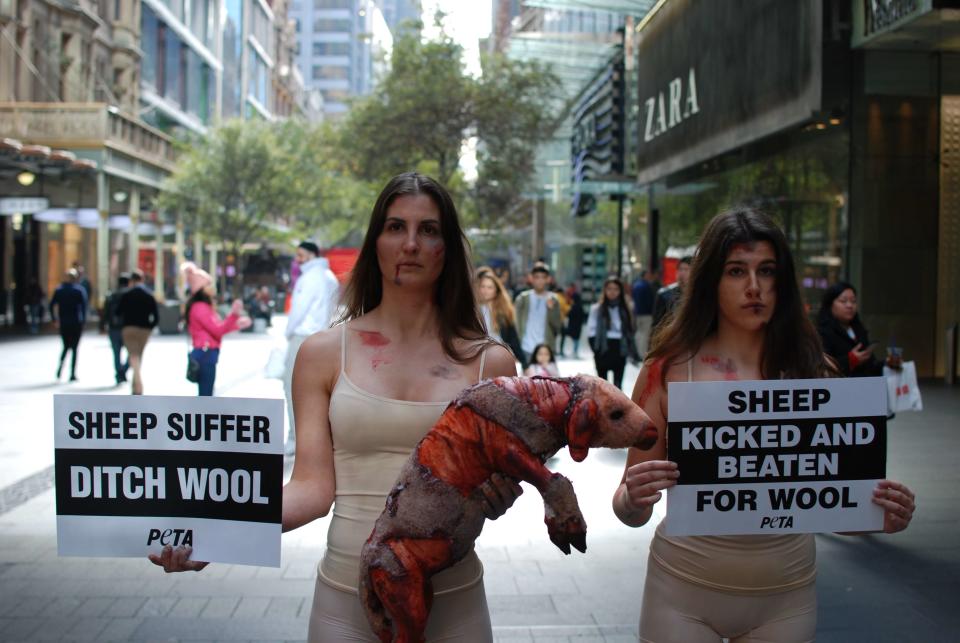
{"x": 414, "y": 297}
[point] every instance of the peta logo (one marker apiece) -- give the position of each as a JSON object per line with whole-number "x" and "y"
{"x": 175, "y": 537}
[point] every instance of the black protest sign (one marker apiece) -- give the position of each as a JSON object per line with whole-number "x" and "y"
{"x": 776, "y": 456}
{"x": 136, "y": 473}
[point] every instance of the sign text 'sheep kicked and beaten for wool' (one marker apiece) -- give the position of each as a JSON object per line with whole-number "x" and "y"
{"x": 136, "y": 473}
{"x": 776, "y": 456}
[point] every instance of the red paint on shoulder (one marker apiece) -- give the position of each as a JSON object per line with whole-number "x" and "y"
{"x": 369, "y": 338}
{"x": 652, "y": 384}
{"x": 710, "y": 359}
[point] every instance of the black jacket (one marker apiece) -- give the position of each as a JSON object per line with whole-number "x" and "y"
{"x": 138, "y": 307}
{"x": 838, "y": 344}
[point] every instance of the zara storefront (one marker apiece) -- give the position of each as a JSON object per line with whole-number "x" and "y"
{"x": 842, "y": 123}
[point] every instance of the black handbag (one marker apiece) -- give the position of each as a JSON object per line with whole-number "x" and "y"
{"x": 193, "y": 368}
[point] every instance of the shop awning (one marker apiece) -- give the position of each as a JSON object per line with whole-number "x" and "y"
{"x": 628, "y": 7}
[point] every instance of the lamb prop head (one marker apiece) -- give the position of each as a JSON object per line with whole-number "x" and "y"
{"x": 507, "y": 425}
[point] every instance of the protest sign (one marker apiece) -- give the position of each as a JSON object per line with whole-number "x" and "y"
{"x": 135, "y": 473}
{"x": 776, "y": 456}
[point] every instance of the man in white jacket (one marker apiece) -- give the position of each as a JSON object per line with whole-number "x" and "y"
{"x": 312, "y": 308}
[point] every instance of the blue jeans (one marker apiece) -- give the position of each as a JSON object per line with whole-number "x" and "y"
{"x": 116, "y": 343}
{"x": 208, "y": 369}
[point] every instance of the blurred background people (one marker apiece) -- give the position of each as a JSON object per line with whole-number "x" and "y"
{"x": 844, "y": 336}
{"x": 68, "y": 308}
{"x": 312, "y": 308}
{"x": 35, "y": 297}
{"x": 205, "y": 326}
{"x": 138, "y": 310}
{"x": 573, "y": 326}
{"x": 538, "y": 313}
{"x": 668, "y": 296}
{"x": 496, "y": 308}
{"x": 112, "y": 323}
{"x": 642, "y": 294}
{"x": 610, "y": 330}
{"x": 543, "y": 363}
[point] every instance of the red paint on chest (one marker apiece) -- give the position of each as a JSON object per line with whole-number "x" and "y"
{"x": 374, "y": 339}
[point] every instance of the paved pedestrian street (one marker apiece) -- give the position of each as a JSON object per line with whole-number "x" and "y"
{"x": 872, "y": 589}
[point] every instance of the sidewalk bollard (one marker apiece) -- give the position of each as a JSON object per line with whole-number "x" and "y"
{"x": 950, "y": 366}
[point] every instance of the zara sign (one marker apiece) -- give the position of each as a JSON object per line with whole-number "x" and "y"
{"x": 713, "y": 76}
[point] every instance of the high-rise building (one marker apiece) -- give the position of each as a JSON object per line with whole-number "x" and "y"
{"x": 339, "y": 45}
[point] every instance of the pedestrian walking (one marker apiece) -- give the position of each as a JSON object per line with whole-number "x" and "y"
{"x": 538, "y": 313}
{"x": 642, "y": 294}
{"x": 312, "y": 308}
{"x": 204, "y": 325}
{"x": 573, "y": 327}
{"x": 742, "y": 318}
{"x": 112, "y": 322}
{"x": 610, "y": 331}
{"x": 34, "y": 305}
{"x": 496, "y": 309}
{"x": 668, "y": 297}
{"x": 68, "y": 308}
{"x": 367, "y": 391}
{"x": 138, "y": 310}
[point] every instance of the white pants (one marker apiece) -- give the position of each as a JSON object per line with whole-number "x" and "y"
{"x": 292, "y": 348}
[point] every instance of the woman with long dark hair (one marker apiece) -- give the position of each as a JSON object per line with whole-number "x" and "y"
{"x": 365, "y": 392}
{"x": 496, "y": 309}
{"x": 610, "y": 332}
{"x": 844, "y": 337}
{"x": 740, "y": 318}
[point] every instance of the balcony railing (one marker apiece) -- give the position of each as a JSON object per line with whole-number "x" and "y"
{"x": 74, "y": 126}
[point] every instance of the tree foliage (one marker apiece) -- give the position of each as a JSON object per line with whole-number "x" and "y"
{"x": 427, "y": 106}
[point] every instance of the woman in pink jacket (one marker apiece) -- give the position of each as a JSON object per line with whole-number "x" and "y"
{"x": 205, "y": 326}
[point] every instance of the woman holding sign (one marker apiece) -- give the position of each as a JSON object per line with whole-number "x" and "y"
{"x": 741, "y": 318}
{"x": 365, "y": 393}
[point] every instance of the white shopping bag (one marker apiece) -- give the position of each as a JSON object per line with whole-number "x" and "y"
{"x": 903, "y": 393}
{"x": 276, "y": 363}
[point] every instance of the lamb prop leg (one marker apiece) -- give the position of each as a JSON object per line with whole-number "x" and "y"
{"x": 433, "y": 514}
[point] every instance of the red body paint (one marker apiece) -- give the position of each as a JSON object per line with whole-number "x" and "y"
{"x": 653, "y": 381}
{"x": 370, "y": 338}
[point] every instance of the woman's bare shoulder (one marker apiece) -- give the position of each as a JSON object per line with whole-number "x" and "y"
{"x": 499, "y": 361}
{"x": 322, "y": 347}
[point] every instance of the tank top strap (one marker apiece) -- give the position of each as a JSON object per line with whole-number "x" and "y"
{"x": 343, "y": 348}
{"x": 483, "y": 359}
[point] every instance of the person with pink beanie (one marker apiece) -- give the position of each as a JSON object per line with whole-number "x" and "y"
{"x": 205, "y": 326}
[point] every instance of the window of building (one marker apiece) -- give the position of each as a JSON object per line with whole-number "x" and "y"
{"x": 171, "y": 66}
{"x": 332, "y": 24}
{"x": 335, "y": 95}
{"x": 148, "y": 42}
{"x": 333, "y": 4}
{"x": 331, "y": 49}
{"x": 334, "y": 72}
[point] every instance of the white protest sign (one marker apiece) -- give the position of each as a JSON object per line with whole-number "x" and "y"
{"x": 776, "y": 456}
{"x": 135, "y": 473}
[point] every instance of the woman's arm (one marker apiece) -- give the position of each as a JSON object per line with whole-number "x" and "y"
{"x": 647, "y": 473}
{"x": 310, "y": 492}
{"x": 204, "y": 316}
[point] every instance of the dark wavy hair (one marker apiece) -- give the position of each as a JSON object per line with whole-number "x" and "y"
{"x": 825, "y": 316}
{"x": 621, "y": 303}
{"x": 791, "y": 344}
{"x": 454, "y": 297}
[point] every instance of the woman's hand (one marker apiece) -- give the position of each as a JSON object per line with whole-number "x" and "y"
{"x": 646, "y": 481}
{"x": 244, "y": 323}
{"x": 862, "y": 354}
{"x": 236, "y": 307}
{"x": 176, "y": 560}
{"x": 499, "y": 494}
{"x": 898, "y": 505}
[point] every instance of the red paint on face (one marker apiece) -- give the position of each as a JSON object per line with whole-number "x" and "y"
{"x": 374, "y": 339}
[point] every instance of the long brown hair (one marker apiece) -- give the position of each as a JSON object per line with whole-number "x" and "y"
{"x": 458, "y": 315}
{"x": 620, "y": 302}
{"x": 501, "y": 308}
{"x": 791, "y": 345}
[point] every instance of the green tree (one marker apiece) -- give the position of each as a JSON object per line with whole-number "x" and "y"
{"x": 427, "y": 106}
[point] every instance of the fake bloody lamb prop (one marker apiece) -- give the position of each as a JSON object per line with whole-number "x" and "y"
{"x": 508, "y": 425}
